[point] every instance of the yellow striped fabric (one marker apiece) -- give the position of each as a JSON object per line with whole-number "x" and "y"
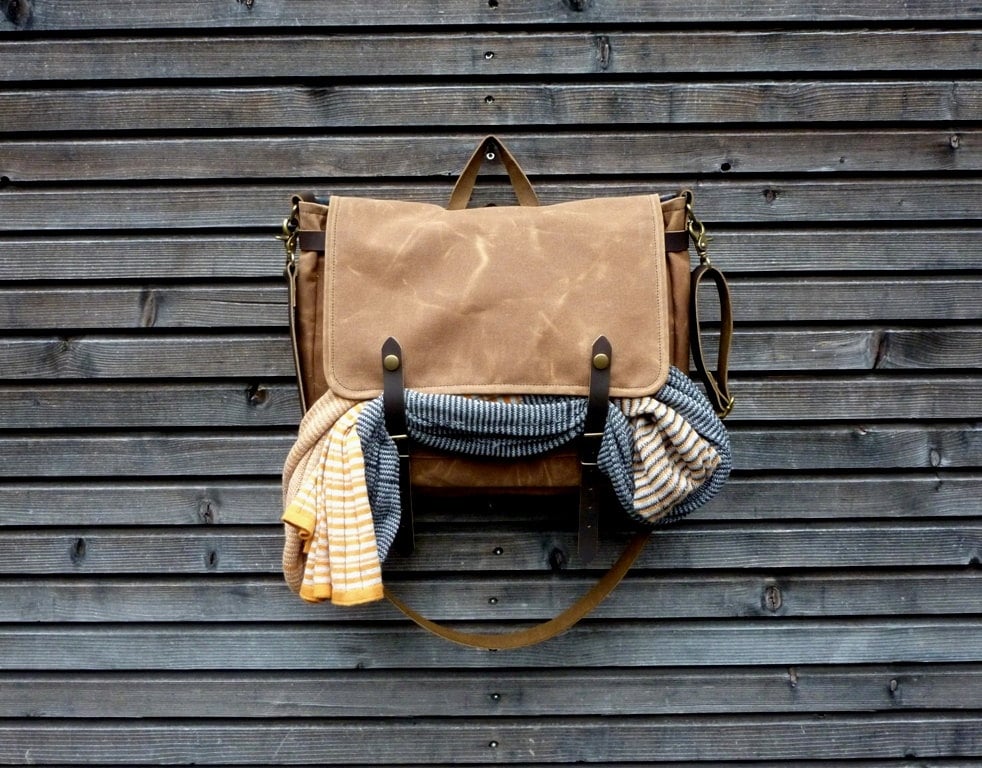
{"x": 330, "y": 513}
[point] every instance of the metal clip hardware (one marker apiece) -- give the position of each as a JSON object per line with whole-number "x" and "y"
{"x": 289, "y": 236}
{"x": 697, "y": 230}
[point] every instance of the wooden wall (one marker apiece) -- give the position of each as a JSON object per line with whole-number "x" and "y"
{"x": 825, "y": 611}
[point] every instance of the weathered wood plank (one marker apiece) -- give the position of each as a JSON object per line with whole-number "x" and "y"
{"x": 110, "y": 599}
{"x": 697, "y": 643}
{"x": 734, "y": 152}
{"x": 780, "y": 497}
{"x": 773, "y": 201}
{"x": 257, "y": 403}
{"x": 465, "y": 55}
{"x": 94, "y": 405}
{"x": 494, "y": 693}
{"x": 615, "y": 739}
{"x": 244, "y": 256}
{"x": 227, "y": 550}
{"x": 244, "y": 305}
{"x": 497, "y": 104}
{"x": 183, "y": 14}
{"x": 138, "y": 357}
{"x": 237, "y": 453}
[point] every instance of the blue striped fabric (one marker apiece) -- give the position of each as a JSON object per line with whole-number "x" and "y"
{"x": 536, "y": 425}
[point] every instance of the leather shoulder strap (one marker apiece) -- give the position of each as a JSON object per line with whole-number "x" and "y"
{"x": 540, "y": 632}
{"x": 717, "y": 383}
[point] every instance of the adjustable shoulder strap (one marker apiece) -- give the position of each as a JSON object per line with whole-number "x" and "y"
{"x": 717, "y": 383}
{"x": 540, "y": 632}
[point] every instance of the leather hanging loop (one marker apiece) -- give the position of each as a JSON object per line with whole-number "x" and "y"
{"x": 716, "y": 382}
{"x": 489, "y": 149}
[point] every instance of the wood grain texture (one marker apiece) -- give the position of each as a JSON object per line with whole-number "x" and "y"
{"x": 456, "y": 55}
{"x": 497, "y": 694}
{"x": 695, "y": 545}
{"x": 732, "y": 738}
{"x": 690, "y": 643}
{"x": 680, "y": 595}
{"x": 769, "y": 201}
{"x": 397, "y": 106}
{"x": 53, "y": 15}
{"x": 737, "y": 152}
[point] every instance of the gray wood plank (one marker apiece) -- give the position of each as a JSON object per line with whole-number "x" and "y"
{"x": 616, "y": 739}
{"x": 695, "y": 545}
{"x": 137, "y": 357}
{"x": 244, "y": 256}
{"x": 719, "y": 201}
{"x": 456, "y": 55}
{"x": 346, "y": 106}
{"x": 778, "y": 497}
{"x": 258, "y": 403}
{"x": 237, "y": 453}
{"x": 93, "y": 405}
{"x": 498, "y": 694}
{"x": 735, "y": 152}
{"x": 697, "y": 643}
{"x": 504, "y": 741}
{"x": 247, "y": 599}
{"x": 258, "y": 305}
{"x": 183, "y": 14}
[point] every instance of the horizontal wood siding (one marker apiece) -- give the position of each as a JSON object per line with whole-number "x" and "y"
{"x": 825, "y": 611}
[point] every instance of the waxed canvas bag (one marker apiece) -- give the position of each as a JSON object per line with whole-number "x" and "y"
{"x": 511, "y": 348}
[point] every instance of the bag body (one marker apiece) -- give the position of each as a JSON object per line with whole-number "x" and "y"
{"x": 503, "y": 349}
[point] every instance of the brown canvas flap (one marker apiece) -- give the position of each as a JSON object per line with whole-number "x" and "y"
{"x": 496, "y": 300}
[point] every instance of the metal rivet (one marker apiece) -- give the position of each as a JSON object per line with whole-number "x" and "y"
{"x": 488, "y": 55}
{"x": 391, "y": 362}
{"x": 493, "y": 744}
{"x": 490, "y": 155}
{"x": 601, "y": 360}
{"x": 498, "y": 551}
{"x": 489, "y": 99}
{"x": 492, "y": 601}
{"x": 495, "y": 697}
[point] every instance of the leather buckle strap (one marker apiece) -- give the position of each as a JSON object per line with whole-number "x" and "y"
{"x": 394, "y": 406}
{"x": 592, "y": 480}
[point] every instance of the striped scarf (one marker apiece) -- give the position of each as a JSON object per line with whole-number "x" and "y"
{"x": 665, "y": 456}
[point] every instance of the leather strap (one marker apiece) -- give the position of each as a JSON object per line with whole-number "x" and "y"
{"x": 540, "y": 632}
{"x": 491, "y": 147}
{"x": 314, "y": 240}
{"x": 716, "y": 382}
{"x": 394, "y": 406}
{"x": 591, "y": 478}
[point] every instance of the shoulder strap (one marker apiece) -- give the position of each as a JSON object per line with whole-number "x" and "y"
{"x": 540, "y": 632}
{"x": 717, "y": 383}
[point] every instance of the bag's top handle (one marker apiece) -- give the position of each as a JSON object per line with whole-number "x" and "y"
{"x": 488, "y": 149}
